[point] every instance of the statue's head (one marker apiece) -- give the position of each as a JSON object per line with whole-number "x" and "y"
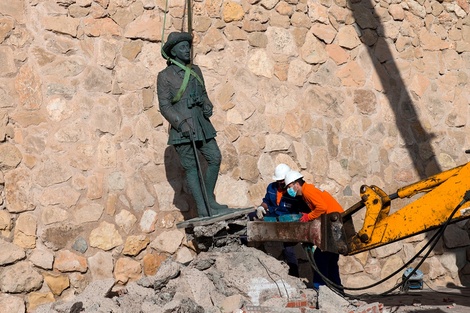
{"x": 178, "y": 47}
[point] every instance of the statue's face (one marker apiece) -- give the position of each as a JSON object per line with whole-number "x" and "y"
{"x": 182, "y": 51}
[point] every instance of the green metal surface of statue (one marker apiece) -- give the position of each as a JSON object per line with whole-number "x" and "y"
{"x": 184, "y": 103}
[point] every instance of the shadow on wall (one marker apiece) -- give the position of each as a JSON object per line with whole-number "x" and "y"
{"x": 406, "y": 117}
{"x": 408, "y": 123}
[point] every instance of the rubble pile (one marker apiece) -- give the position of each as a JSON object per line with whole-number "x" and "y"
{"x": 240, "y": 279}
{"x": 212, "y": 282}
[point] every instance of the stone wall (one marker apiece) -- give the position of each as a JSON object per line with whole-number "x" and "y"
{"x": 347, "y": 92}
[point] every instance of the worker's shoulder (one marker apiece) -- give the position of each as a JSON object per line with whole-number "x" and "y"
{"x": 272, "y": 184}
{"x": 271, "y": 187}
{"x": 309, "y": 187}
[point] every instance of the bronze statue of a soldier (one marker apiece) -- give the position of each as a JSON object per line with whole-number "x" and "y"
{"x": 184, "y": 103}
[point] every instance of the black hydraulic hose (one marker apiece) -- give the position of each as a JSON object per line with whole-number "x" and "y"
{"x": 312, "y": 261}
{"x": 393, "y": 196}
{"x": 433, "y": 241}
{"x": 465, "y": 199}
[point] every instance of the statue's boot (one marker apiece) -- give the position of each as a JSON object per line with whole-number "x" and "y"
{"x": 212, "y": 174}
{"x": 192, "y": 179}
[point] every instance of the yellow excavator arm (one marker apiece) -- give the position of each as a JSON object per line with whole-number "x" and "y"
{"x": 444, "y": 197}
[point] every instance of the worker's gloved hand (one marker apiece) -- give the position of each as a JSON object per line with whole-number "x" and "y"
{"x": 185, "y": 128}
{"x": 260, "y": 212}
{"x": 304, "y": 217}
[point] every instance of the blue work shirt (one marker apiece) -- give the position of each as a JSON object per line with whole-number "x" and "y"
{"x": 287, "y": 205}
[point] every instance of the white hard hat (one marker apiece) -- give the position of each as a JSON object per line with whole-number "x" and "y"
{"x": 292, "y": 176}
{"x": 280, "y": 171}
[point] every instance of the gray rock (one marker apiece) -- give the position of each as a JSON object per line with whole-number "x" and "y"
{"x": 203, "y": 264}
{"x": 80, "y": 245}
{"x": 167, "y": 271}
{"x": 330, "y": 301}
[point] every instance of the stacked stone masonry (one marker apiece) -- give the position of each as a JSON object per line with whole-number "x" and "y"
{"x": 347, "y": 92}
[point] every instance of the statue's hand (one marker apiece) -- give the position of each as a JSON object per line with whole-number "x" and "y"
{"x": 206, "y": 110}
{"x": 186, "y": 129}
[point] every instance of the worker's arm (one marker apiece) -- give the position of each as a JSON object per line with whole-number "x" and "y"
{"x": 313, "y": 197}
{"x": 269, "y": 200}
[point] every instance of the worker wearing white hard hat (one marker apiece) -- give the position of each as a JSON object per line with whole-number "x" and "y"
{"x": 280, "y": 172}
{"x": 277, "y": 203}
{"x": 276, "y": 188}
{"x": 292, "y": 176}
{"x": 320, "y": 202}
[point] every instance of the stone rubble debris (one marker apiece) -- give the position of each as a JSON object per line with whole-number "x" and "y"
{"x": 242, "y": 279}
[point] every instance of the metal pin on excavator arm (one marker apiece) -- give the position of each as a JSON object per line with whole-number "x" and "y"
{"x": 336, "y": 232}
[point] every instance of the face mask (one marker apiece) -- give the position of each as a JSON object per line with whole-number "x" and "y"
{"x": 291, "y": 192}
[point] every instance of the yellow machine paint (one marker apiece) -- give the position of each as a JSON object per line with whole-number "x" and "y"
{"x": 441, "y": 195}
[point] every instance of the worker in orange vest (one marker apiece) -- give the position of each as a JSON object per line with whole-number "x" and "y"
{"x": 320, "y": 202}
